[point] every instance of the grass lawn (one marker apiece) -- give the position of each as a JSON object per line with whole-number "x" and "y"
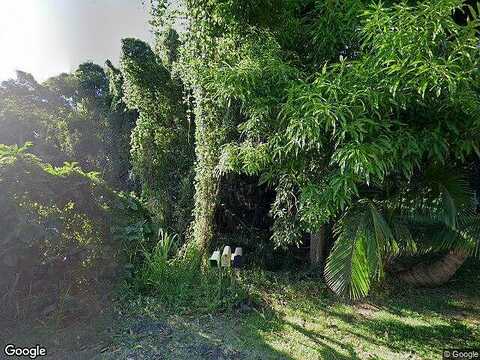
{"x": 295, "y": 317}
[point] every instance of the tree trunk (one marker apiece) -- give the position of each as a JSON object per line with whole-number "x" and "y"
{"x": 317, "y": 248}
{"x": 436, "y": 273}
{"x": 209, "y": 137}
{"x": 205, "y": 204}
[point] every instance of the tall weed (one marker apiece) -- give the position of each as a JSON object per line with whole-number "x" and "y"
{"x": 182, "y": 282}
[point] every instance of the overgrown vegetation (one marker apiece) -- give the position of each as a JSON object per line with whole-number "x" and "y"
{"x": 348, "y": 129}
{"x": 55, "y": 238}
{"x": 332, "y": 134}
{"x": 299, "y": 319}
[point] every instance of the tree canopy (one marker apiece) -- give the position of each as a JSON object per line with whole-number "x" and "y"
{"x": 332, "y": 104}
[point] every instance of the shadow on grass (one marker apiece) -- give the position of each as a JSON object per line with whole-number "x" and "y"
{"x": 399, "y": 319}
{"x": 460, "y": 296}
{"x": 210, "y": 339}
{"x": 400, "y": 336}
{"x": 324, "y": 343}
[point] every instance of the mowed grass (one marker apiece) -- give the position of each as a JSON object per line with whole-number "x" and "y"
{"x": 291, "y": 316}
{"x": 296, "y": 317}
{"x": 398, "y": 323}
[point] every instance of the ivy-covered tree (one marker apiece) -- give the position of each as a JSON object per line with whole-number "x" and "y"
{"x": 121, "y": 122}
{"x": 161, "y": 145}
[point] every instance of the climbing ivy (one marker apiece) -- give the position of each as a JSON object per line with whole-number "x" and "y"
{"x": 161, "y": 146}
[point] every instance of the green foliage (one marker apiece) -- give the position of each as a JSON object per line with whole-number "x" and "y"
{"x": 55, "y": 231}
{"x": 98, "y": 124}
{"x": 120, "y": 121}
{"x": 363, "y": 239}
{"x": 433, "y": 213}
{"x": 165, "y": 246}
{"x": 88, "y": 124}
{"x": 331, "y": 131}
{"x": 206, "y": 57}
{"x": 181, "y": 283}
{"x": 69, "y": 117}
{"x": 378, "y": 92}
{"x": 399, "y": 104}
{"x": 161, "y": 148}
{"x": 30, "y": 112}
{"x": 357, "y": 113}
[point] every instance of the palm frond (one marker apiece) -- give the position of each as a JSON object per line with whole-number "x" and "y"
{"x": 363, "y": 238}
{"x": 436, "y": 213}
{"x": 404, "y": 238}
{"x": 346, "y": 271}
{"x": 444, "y": 217}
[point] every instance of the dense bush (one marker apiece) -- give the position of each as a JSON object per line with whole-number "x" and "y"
{"x": 56, "y": 237}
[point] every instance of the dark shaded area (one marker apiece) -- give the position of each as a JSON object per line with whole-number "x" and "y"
{"x": 466, "y": 13}
{"x": 243, "y": 219}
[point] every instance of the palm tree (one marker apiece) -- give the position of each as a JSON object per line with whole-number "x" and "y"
{"x": 432, "y": 213}
{"x": 435, "y": 273}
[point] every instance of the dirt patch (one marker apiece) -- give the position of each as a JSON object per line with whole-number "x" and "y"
{"x": 366, "y": 310}
{"x": 151, "y": 327}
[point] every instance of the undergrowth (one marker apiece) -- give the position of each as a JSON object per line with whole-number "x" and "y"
{"x": 177, "y": 279}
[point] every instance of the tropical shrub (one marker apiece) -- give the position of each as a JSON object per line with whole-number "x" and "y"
{"x": 328, "y": 127}
{"x": 56, "y": 235}
{"x": 180, "y": 282}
